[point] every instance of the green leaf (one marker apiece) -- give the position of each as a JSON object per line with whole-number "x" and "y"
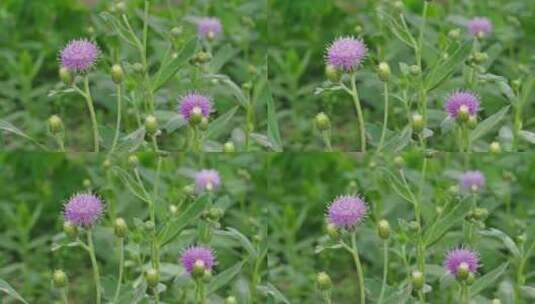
{"x": 528, "y": 292}
{"x": 507, "y": 240}
{"x": 488, "y": 124}
{"x": 222, "y": 57}
{"x": 173, "y": 227}
{"x": 444, "y": 68}
{"x": 6, "y": 288}
{"x": 8, "y": 127}
{"x": 527, "y": 136}
{"x": 273, "y": 124}
{"x": 216, "y": 127}
{"x": 224, "y": 277}
{"x": 170, "y": 69}
{"x": 442, "y": 225}
{"x": 273, "y": 292}
{"x": 244, "y": 241}
{"x": 487, "y": 280}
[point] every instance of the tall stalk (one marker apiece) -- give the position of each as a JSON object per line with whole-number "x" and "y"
{"x": 94, "y": 264}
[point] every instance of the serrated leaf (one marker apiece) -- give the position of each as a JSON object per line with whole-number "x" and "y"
{"x": 488, "y": 124}
{"x": 6, "y": 288}
{"x": 173, "y": 227}
{"x": 487, "y": 280}
{"x": 167, "y": 71}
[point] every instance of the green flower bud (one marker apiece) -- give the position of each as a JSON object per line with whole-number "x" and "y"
{"x": 471, "y": 279}
{"x": 516, "y": 84}
{"x": 383, "y": 229}
{"x": 454, "y": 34}
{"x": 138, "y": 67}
{"x": 229, "y": 147}
{"x": 55, "y": 124}
{"x": 204, "y": 124}
{"x": 120, "y": 7}
{"x": 153, "y": 277}
{"x": 463, "y": 271}
{"x": 472, "y": 121}
{"x": 173, "y": 209}
{"x": 231, "y": 300}
{"x": 332, "y": 231}
{"x": 323, "y": 281}
{"x": 149, "y": 226}
{"x": 495, "y": 147}
{"x": 133, "y": 160}
{"x": 117, "y": 74}
{"x": 383, "y": 71}
{"x": 417, "y": 280}
{"x": 203, "y": 57}
{"x": 196, "y": 116}
{"x": 399, "y": 161}
{"x": 59, "y": 278}
{"x": 322, "y": 121}
{"x": 480, "y": 58}
{"x": 332, "y": 73}
{"x": 247, "y": 86}
{"x": 176, "y": 32}
{"x": 414, "y": 226}
{"x": 189, "y": 189}
{"x": 70, "y": 230}
{"x": 496, "y": 301}
{"x": 87, "y": 183}
{"x": 90, "y": 30}
{"x": 358, "y": 29}
{"x": 198, "y": 269}
{"x": 151, "y": 124}
{"x": 207, "y": 276}
{"x": 66, "y": 76}
{"x": 398, "y": 5}
{"x": 215, "y": 213}
{"x": 120, "y": 228}
{"x": 106, "y": 164}
{"x": 415, "y": 70}
{"x": 480, "y": 214}
{"x": 417, "y": 122}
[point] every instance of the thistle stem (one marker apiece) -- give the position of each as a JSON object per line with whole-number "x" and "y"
{"x": 385, "y": 272}
{"x": 64, "y": 297}
{"x": 385, "y": 119}
{"x": 358, "y": 265}
{"x": 89, "y": 100}
{"x": 121, "y": 269}
{"x": 96, "y": 274}
{"x": 326, "y": 136}
{"x": 118, "y": 124}
{"x": 358, "y": 108}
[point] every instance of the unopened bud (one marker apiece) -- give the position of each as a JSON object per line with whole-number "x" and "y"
{"x": 176, "y": 32}
{"x": 133, "y": 160}
{"x": 480, "y": 214}
{"x": 415, "y": 70}
{"x": 231, "y": 300}
{"x": 495, "y": 147}
{"x": 472, "y": 121}
{"x": 66, "y": 76}
{"x": 399, "y": 161}
{"x": 189, "y": 189}
{"x": 471, "y": 279}
{"x": 322, "y": 121}
{"x": 229, "y": 147}
{"x": 173, "y": 209}
{"x": 55, "y": 124}
{"x": 480, "y": 58}
{"x": 117, "y": 74}
{"x": 417, "y": 280}
{"x": 324, "y": 281}
{"x": 383, "y": 71}
{"x": 203, "y": 57}
{"x": 332, "y": 73}
{"x": 153, "y": 277}
{"x": 358, "y": 29}
{"x": 138, "y": 67}
{"x": 496, "y": 301}
{"x": 120, "y": 7}
{"x": 204, "y": 123}
{"x": 215, "y": 213}
{"x": 383, "y": 229}
{"x": 454, "y": 34}
{"x": 463, "y": 271}
{"x": 418, "y": 122}
{"x": 70, "y": 229}
{"x": 149, "y": 226}
{"x": 59, "y": 278}
{"x": 151, "y": 124}
{"x": 87, "y": 183}
{"x": 120, "y": 228}
{"x": 332, "y": 231}
{"x": 414, "y": 226}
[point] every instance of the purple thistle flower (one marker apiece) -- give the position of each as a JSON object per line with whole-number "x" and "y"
{"x": 457, "y": 256}
{"x": 198, "y": 253}
{"x": 472, "y": 180}
{"x": 79, "y": 55}
{"x": 456, "y": 100}
{"x": 346, "y": 211}
{"x": 192, "y": 100}
{"x": 346, "y": 53}
{"x": 83, "y": 209}
{"x": 479, "y": 26}
{"x": 207, "y": 180}
{"x": 209, "y": 27}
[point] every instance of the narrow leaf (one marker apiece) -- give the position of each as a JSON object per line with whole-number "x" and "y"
{"x": 6, "y": 288}
{"x": 488, "y": 124}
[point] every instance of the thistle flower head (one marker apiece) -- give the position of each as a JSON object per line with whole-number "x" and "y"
{"x": 207, "y": 179}
{"x": 456, "y": 100}
{"x": 346, "y": 53}
{"x": 79, "y": 55}
{"x": 458, "y": 256}
{"x": 209, "y": 27}
{"x": 472, "y": 180}
{"x": 346, "y": 211}
{"x": 83, "y": 209}
{"x": 198, "y": 253}
{"x": 194, "y": 100}
{"x": 479, "y": 26}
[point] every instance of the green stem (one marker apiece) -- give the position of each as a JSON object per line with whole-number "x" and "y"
{"x": 326, "y": 297}
{"x": 121, "y": 269}
{"x": 59, "y": 140}
{"x": 64, "y": 297}
{"x": 358, "y": 108}
{"x": 358, "y": 265}
{"x": 326, "y": 136}
{"x": 118, "y": 124}
{"x": 200, "y": 294}
{"x": 91, "y": 108}
{"x": 385, "y": 119}
{"x": 96, "y": 274}
{"x": 385, "y": 272}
